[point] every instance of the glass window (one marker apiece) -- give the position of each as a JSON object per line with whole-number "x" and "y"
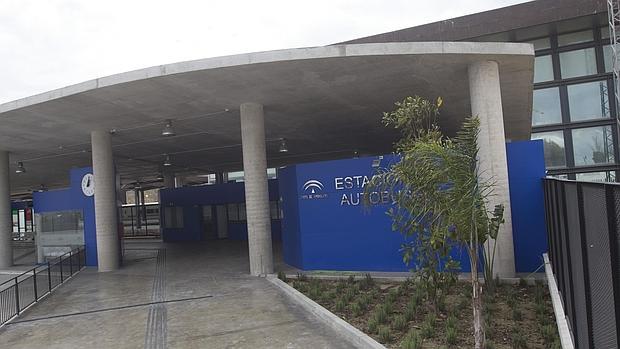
{"x": 593, "y": 145}
{"x": 151, "y": 196}
{"x": 553, "y": 143}
{"x": 233, "y": 212}
{"x": 541, "y": 44}
{"x": 605, "y": 176}
{"x": 608, "y": 58}
{"x": 560, "y": 176}
{"x": 543, "y": 68}
{"x": 605, "y": 33}
{"x": 236, "y": 176}
{"x": 575, "y": 38}
{"x": 578, "y": 63}
{"x": 588, "y": 101}
{"x": 546, "y": 107}
{"x": 272, "y": 173}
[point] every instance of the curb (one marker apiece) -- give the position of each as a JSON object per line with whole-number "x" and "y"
{"x": 356, "y": 337}
{"x": 560, "y": 318}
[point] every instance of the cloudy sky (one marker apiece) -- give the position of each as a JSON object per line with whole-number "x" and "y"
{"x": 54, "y": 43}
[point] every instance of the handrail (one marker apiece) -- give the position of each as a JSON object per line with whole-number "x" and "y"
{"x": 17, "y": 295}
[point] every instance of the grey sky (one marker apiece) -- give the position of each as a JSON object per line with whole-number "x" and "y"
{"x": 54, "y": 43}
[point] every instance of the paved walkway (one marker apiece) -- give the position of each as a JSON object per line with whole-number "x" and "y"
{"x": 170, "y": 296}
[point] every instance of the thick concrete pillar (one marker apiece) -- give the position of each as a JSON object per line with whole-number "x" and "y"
{"x": 6, "y": 226}
{"x": 486, "y": 103}
{"x": 256, "y": 192}
{"x": 105, "y": 201}
{"x": 168, "y": 179}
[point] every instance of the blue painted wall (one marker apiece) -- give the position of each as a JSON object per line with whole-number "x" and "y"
{"x": 72, "y": 198}
{"x": 332, "y": 229}
{"x": 526, "y": 168}
{"x": 191, "y": 199}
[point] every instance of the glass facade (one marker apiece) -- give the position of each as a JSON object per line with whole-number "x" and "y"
{"x": 573, "y": 110}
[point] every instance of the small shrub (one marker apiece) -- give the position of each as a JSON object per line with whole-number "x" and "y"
{"x": 381, "y": 314}
{"x": 373, "y": 324}
{"x": 412, "y": 340}
{"x": 302, "y": 277}
{"x": 522, "y": 283}
{"x": 464, "y": 303}
{"x": 351, "y": 279}
{"x": 356, "y": 309}
{"x": 399, "y": 323}
{"x": 348, "y": 295}
{"x": 441, "y": 303}
{"x": 516, "y": 314}
{"x": 393, "y": 295}
{"x": 451, "y": 335}
{"x": 540, "y": 310}
{"x": 367, "y": 282}
{"x": 451, "y": 321}
{"x": 410, "y": 311}
{"x": 548, "y": 333}
{"x": 282, "y": 276}
{"x": 388, "y": 306}
{"x": 340, "y": 305}
{"x": 518, "y": 340}
{"x": 428, "y": 326}
{"x": 384, "y": 334}
{"x": 489, "y": 345}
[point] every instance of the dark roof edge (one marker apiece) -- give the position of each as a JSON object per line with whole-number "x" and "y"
{"x": 490, "y": 22}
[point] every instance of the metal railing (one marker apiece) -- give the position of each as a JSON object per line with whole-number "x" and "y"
{"x": 26, "y": 289}
{"x": 584, "y": 244}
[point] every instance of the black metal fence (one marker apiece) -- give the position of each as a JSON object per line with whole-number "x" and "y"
{"x": 582, "y": 225}
{"x": 22, "y": 291}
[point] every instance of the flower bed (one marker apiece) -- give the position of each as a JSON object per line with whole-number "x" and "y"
{"x": 401, "y": 315}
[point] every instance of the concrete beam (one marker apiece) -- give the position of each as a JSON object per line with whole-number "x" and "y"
{"x": 256, "y": 192}
{"x": 486, "y": 103}
{"x": 6, "y": 226}
{"x": 108, "y": 255}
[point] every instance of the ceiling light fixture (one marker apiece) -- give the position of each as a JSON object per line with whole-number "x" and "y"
{"x": 168, "y": 131}
{"x": 20, "y": 168}
{"x": 283, "y": 147}
{"x": 167, "y": 161}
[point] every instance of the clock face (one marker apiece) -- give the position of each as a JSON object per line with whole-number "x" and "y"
{"x": 88, "y": 184}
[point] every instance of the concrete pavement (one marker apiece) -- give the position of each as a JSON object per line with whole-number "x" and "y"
{"x": 170, "y": 296}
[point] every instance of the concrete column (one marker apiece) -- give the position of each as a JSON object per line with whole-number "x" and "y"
{"x": 168, "y": 179}
{"x": 256, "y": 193}
{"x": 486, "y": 103}
{"x": 105, "y": 201}
{"x": 6, "y": 226}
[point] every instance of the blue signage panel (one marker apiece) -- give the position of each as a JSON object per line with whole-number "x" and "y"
{"x": 327, "y": 226}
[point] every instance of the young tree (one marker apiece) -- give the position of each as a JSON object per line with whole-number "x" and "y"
{"x": 438, "y": 190}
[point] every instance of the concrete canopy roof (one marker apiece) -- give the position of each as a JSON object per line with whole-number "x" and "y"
{"x": 326, "y": 101}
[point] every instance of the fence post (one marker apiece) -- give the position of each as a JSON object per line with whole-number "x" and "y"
{"x": 34, "y": 278}
{"x": 70, "y": 262}
{"x": 17, "y": 295}
{"x": 584, "y": 254}
{"x": 49, "y": 276}
{"x": 60, "y": 263}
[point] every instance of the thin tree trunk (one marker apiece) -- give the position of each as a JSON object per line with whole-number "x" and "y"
{"x": 476, "y": 298}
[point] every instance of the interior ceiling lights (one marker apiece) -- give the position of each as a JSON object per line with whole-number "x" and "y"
{"x": 283, "y": 146}
{"x": 168, "y": 131}
{"x": 167, "y": 161}
{"x": 20, "y": 168}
